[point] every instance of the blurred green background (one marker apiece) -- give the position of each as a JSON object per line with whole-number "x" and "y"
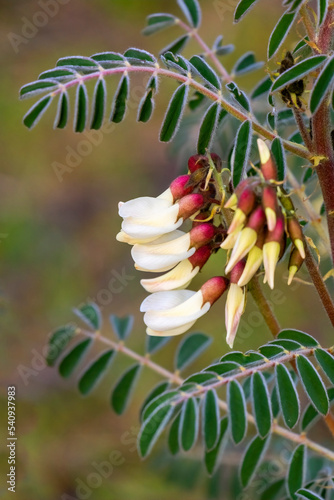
{"x": 58, "y": 249}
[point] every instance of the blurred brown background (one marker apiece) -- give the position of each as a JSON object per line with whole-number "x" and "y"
{"x": 58, "y": 247}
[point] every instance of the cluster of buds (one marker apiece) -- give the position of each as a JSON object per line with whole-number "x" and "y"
{"x": 255, "y": 235}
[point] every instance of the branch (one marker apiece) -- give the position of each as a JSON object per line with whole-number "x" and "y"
{"x": 264, "y": 307}
{"x": 175, "y": 378}
{"x": 295, "y": 148}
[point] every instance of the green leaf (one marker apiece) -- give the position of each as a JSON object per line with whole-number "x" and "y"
{"x": 297, "y": 469}
{"x": 252, "y": 459}
{"x": 245, "y": 64}
{"x": 35, "y": 113}
{"x": 213, "y": 457}
{"x": 58, "y": 341}
{"x": 95, "y": 372}
{"x": 240, "y": 96}
{"x": 278, "y": 153}
{"x": 200, "y": 379}
{"x": 120, "y": 100}
{"x": 73, "y": 358}
{"x": 273, "y": 490}
{"x": 99, "y": 104}
{"x": 275, "y": 407}
{"x": 78, "y": 62}
{"x": 174, "y": 113}
{"x": 244, "y": 359}
{"x": 261, "y": 88}
{"x": 323, "y": 85}
{"x": 38, "y": 87}
{"x": 280, "y": 32}
{"x": 189, "y": 424}
{"x": 307, "y": 494}
{"x": 192, "y": 11}
{"x": 145, "y": 108}
{"x": 261, "y": 404}
{"x": 313, "y": 385}
{"x": 178, "y": 62}
{"x": 326, "y": 361}
{"x": 210, "y": 419}
{"x": 241, "y": 152}
{"x": 221, "y": 50}
{"x": 303, "y": 338}
{"x": 158, "y": 22}
{"x": 173, "y": 436}
{"x": 288, "y": 396}
{"x": 109, "y": 59}
{"x": 124, "y": 388}
{"x": 309, "y": 417}
{"x": 156, "y": 391}
{"x": 163, "y": 399}
{"x": 62, "y": 111}
{"x": 208, "y": 128}
{"x": 57, "y": 74}
{"x": 271, "y": 351}
{"x": 288, "y": 345}
{"x": 223, "y": 368}
{"x": 135, "y": 56}
{"x": 154, "y": 344}
{"x": 90, "y": 314}
{"x": 121, "y": 326}
{"x": 81, "y": 109}
{"x": 322, "y": 10}
{"x": 237, "y": 411}
{"x": 177, "y": 45}
{"x": 297, "y": 72}
{"x": 242, "y": 7}
{"x": 205, "y": 71}
{"x": 190, "y": 348}
{"x": 152, "y": 428}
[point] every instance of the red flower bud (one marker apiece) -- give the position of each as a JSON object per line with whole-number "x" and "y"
{"x": 178, "y": 187}
{"x": 214, "y": 288}
{"x": 268, "y": 166}
{"x": 197, "y": 161}
{"x": 190, "y": 204}
{"x": 277, "y": 233}
{"x": 269, "y": 202}
{"x": 200, "y": 257}
{"x": 237, "y": 271}
{"x": 257, "y": 219}
{"x": 202, "y": 234}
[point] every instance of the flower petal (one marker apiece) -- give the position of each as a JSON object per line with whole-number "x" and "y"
{"x": 160, "y": 301}
{"x": 172, "y": 332}
{"x": 179, "y": 277}
{"x": 234, "y": 308}
{"x": 143, "y": 207}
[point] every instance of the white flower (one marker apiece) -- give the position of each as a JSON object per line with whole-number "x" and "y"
{"x": 163, "y": 253}
{"x": 174, "y": 312}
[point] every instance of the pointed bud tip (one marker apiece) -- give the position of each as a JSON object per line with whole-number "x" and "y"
{"x": 263, "y": 151}
{"x": 271, "y": 218}
{"x": 238, "y": 219}
{"x": 300, "y": 246}
{"x": 292, "y": 272}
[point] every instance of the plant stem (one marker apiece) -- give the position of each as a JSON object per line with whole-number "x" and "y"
{"x": 302, "y": 129}
{"x": 207, "y": 51}
{"x": 175, "y": 378}
{"x": 295, "y": 148}
{"x": 308, "y": 23}
{"x": 318, "y": 282}
{"x": 264, "y": 307}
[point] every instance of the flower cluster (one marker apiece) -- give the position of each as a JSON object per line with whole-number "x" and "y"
{"x": 252, "y": 226}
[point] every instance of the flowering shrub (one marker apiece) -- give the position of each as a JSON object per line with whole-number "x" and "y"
{"x": 241, "y": 206}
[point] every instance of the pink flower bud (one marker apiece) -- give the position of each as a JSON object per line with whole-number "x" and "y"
{"x": 296, "y": 234}
{"x": 201, "y": 256}
{"x": 202, "y": 234}
{"x": 278, "y": 231}
{"x": 214, "y": 288}
{"x": 197, "y": 161}
{"x": 257, "y": 219}
{"x": 268, "y": 166}
{"x": 190, "y": 204}
{"x": 269, "y": 202}
{"x": 179, "y": 187}
{"x": 247, "y": 200}
{"x": 237, "y": 271}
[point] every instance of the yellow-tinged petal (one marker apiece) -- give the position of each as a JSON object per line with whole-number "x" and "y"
{"x": 300, "y": 246}
{"x": 271, "y": 218}
{"x": 253, "y": 262}
{"x": 292, "y": 272}
{"x": 245, "y": 242}
{"x": 177, "y": 278}
{"x": 231, "y": 202}
{"x": 263, "y": 151}
{"x": 235, "y": 303}
{"x": 231, "y": 239}
{"x": 271, "y": 253}
{"x": 238, "y": 219}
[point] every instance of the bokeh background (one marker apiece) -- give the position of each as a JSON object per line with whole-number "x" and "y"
{"x": 58, "y": 249}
